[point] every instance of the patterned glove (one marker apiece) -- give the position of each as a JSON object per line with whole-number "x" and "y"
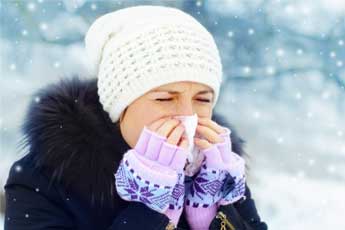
{"x": 152, "y": 173}
{"x": 220, "y": 181}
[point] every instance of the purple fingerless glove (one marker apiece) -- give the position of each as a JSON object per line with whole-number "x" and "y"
{"x": 152, "y": 173}
{"x": 221, "y": 181}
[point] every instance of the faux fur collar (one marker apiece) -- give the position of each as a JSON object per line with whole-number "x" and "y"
{"x": 72, "y": 137}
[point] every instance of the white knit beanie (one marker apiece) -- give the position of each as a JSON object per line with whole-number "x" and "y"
{"x": 136, "y": 49}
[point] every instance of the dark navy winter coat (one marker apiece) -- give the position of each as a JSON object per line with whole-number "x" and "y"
{"x": 66, "y": 179}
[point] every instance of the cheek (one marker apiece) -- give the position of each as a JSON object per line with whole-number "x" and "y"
{"x": 204, "y": 111}
{"x": 154, "y": 111}
{"x": 145, "y": 115}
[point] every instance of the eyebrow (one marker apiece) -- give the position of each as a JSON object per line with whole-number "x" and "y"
{"x": 177, "y": 92}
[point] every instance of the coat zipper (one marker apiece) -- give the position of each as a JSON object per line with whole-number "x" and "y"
{"x": 170, "y": 226}
{"x": 224, "y": 221}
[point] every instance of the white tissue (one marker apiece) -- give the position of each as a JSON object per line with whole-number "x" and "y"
{"x": 190, "y": 123}
{"x": 194, "y": 159}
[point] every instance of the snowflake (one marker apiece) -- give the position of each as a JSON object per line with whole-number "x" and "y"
{"x": 325, "y": 95}
{"x": 331, "y": 168}
{"x": 270, "y": 70}
{"x": 289, "y": 9}
{"x": 93, "y": 6}
{"x": 311, "y": 162}
{"x": 31, "y": 6}
{"x": 24, "y": 32}
{"x": 251, "y": 31}
{"x": 43, "y": 26}
{"x": 257, "y": 115}
{"x": 298, "y": 95}
{"x": 18, "y": 168}
{"x": 280, "y": 52}
{"x": 56, "y": 64}
{"x": 280, "y": 140}
{"x": 247, "y": 70}
{"x": 13, "y": 67}
{"x": 300, "y": 174}
{"x": 299, "y": 51}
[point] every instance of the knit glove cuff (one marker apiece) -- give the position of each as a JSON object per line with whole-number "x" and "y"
{"x": 152, "y": 173}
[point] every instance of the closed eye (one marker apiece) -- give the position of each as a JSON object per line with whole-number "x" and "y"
{"x": 204, "y": 100}
{"x": 169, "y": 99}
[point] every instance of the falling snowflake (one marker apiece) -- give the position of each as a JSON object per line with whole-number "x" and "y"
{"x": 31, "y": 6}
{"x": 251, "y": 31}
{"x": 43, "y": 26}
{"x": 24, "y": 32}
{"x": 299, "y": 51}
{"x": 93, "y": 6}
{"x": 280, "y": 52}
{"x": 18, "y": 168}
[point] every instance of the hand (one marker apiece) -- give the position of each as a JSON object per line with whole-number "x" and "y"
{"x": 172, "y": 129}
{"x": 211, "y": 130}
{"x": 152, "y": 172}
{"x": 222, "y": 176}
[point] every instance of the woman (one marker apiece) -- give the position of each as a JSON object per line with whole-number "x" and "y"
{"x": 114, "y": 152}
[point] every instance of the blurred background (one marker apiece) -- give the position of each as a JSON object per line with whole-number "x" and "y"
{"x": 284, "y": 90}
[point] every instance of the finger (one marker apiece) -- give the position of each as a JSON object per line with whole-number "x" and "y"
{"x": 184, "y": 143}
{"x": 226, "y": 134}
{"x": 212, "y": 124}
{"x": 157, "y": 123}
{"x": 209, "y": 134}
{"x": 201, "y": 143}
{"x": 167, "y": 127}
{"x": 176, "y": 134}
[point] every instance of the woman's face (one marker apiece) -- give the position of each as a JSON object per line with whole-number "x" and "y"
{"x": 174, "y": 99}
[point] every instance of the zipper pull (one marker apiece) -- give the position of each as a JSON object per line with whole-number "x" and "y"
{"x": 170, "y": 226}
{"x": 224, "y": 221}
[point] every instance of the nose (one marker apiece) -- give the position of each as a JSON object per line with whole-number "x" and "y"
{"x": 185, "y": 108}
